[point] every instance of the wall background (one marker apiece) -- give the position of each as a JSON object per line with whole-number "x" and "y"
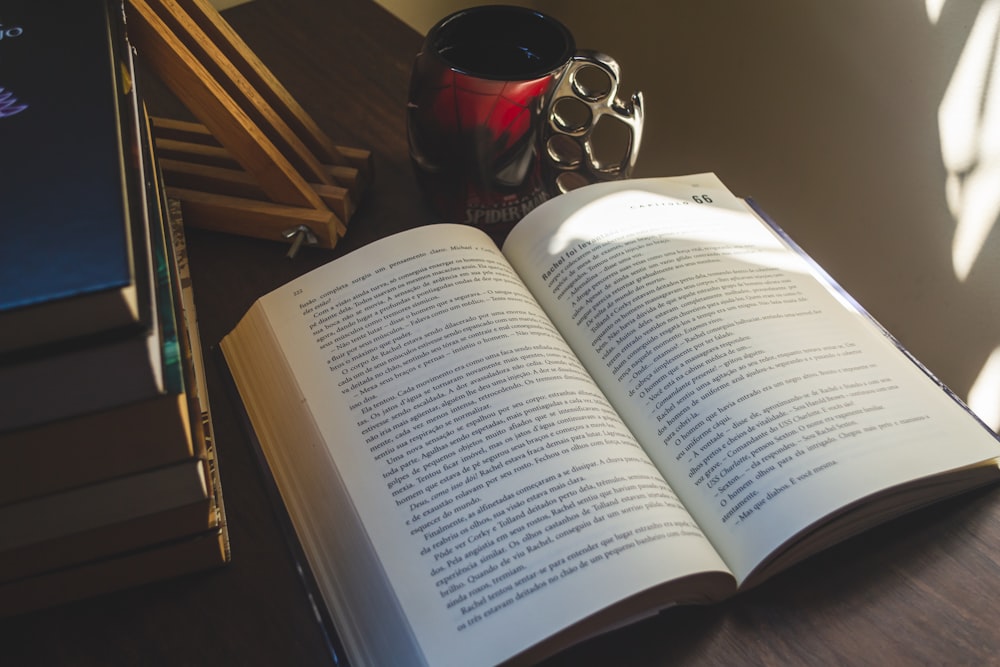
{"x": 869, "y": 130}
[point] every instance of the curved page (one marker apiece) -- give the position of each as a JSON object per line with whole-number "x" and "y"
{"x": 504, "y": 497}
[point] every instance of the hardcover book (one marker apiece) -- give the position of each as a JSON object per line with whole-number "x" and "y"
{"x": 649, "y": 397}
{"x": 106, "y": 365}
{"x": 103, "y": 519}
{"x": 73, "y": 260}
{"x": 139, "y": 432}
{"x": 160, "y": 522}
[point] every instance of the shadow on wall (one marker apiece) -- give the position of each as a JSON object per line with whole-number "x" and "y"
{"x": 869, "y": 130}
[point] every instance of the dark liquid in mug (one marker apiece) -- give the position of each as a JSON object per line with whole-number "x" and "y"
{"x": 507, "y": 43}
{"x": 496, "y": 58}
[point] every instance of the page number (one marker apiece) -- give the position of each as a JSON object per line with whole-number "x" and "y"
{"x": 701, "y": 199}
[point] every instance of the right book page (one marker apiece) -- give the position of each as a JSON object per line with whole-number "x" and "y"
{"x": 783, "y": 416}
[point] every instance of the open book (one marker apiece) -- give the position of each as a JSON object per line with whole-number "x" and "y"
{"x": 650, "y": 397}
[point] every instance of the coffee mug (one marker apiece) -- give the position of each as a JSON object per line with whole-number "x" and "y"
{"x": 503, "y": 114}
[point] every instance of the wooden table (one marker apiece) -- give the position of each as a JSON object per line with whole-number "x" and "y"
{"x": 922, "y": 590}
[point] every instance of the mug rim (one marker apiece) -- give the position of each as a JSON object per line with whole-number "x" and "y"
{"x": 433, "y": 46}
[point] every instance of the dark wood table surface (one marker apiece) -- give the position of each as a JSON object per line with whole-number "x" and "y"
{"x": 924, "y": 589}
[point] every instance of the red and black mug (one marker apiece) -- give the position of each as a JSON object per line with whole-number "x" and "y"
{"x": 504, "y": 113}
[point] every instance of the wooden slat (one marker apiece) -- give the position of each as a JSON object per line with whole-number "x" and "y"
{"x": 228, "y": 74}
{"x": 227, "y": 180}
{"x": 210, "y": 178}
{"x": 195, "y": 152}
{"x": 235, "y": 215}
{"x": 181, "y": 71}
{"x": 182, "y": 130}
{"x": 169, "y": 132}
{"x": 262, "y": 80}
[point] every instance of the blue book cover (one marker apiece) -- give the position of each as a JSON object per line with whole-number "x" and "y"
{"x": 68, "y": 260}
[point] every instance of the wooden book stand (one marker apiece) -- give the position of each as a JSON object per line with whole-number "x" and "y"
{"x": 256, "y": 164}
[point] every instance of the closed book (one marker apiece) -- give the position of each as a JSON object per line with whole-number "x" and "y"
{"x": 107, "y": 541}
{"x": 57, "y": 455}
{"x": 170, "y": 559}
{"x": 135, "y": 529}
{"x": 71, "y": 263}
{"x": 79, "y": 379}
{"x": 104, "y": 370}
{"x": 39, "y": 520}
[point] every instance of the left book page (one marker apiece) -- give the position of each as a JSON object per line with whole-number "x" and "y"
{"x": 399, "y": 394}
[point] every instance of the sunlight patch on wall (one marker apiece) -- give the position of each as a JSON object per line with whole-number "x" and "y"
{"x": 969, "y": 122}
{"x": 984, "y": 396}
{"x": 969, "y": 127}
{"x": 934, "y": 8}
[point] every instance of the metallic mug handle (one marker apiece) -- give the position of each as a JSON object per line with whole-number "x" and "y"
{"x": 569, "y": 144}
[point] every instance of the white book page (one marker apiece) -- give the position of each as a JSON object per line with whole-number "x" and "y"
{"x": 765, "y": 399}
{"x": 504, "y": 496}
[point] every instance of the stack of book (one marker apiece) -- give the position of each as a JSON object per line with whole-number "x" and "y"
{"x": 108, "y": 474}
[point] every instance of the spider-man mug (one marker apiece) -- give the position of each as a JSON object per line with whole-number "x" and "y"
{"x": 505, "y": 113}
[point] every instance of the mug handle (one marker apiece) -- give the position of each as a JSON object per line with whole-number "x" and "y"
{"x": 574, "y": 111}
